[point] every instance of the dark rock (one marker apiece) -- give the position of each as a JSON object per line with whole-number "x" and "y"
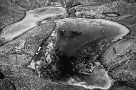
{"x": 7, "y": 85}
{"x": 2, "y": 76}
{"x": 130, "y": 1}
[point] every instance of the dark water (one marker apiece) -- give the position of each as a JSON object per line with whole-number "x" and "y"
{"x": 73, "y": 36}
{"x": 70, "y": 46}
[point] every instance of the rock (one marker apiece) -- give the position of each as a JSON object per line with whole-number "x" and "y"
{"x": 119, "y": 53}
{"x": 29, "y": 22}
{"x": 7, "y": 85}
